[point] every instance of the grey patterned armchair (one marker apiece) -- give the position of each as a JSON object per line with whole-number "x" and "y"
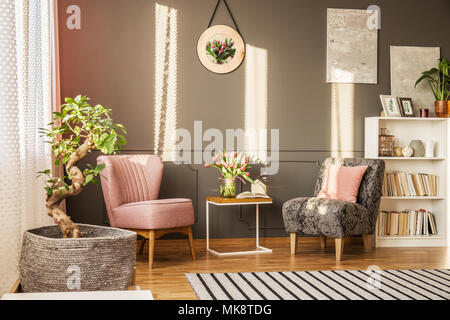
{"x": 336, "y": 218}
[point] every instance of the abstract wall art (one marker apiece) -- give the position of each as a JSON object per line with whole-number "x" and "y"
{"x": 351, "y": 47}
{"x": 407, "y": 65}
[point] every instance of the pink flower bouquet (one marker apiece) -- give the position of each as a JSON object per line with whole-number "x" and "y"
{"x": 231, "y": 165}
{"x": 220, "y": 51}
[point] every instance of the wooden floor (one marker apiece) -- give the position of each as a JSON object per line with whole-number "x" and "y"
{"x": 172, "y": 260}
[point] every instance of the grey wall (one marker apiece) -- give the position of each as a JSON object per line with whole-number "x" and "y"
{"x": 111, "y": 59}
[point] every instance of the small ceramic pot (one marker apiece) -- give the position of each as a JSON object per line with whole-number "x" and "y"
{"x": 441, "y": 109}
{"x": 418, "y": 147}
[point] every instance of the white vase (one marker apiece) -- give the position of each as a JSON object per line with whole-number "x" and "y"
{"x": 429, "y": 149}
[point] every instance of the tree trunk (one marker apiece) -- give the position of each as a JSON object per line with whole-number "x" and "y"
{"x": 68, "y": 228}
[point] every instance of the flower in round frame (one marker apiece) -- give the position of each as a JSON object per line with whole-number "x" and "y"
{"x": 221, "y": 51}
{"x": 221, "y": 38}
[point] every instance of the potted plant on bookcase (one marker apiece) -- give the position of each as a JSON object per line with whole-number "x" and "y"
{"x": 438, "y": 80}
{"x": 69, "y": 256}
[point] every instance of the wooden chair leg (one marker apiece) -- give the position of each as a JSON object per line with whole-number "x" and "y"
{"x": 151, "y": 247}
{"x": 133, "y": 280}
{"x": 367, "y": 239}
{"x": 293, "y": 243}
{"x": 142, "y": 245}
{"x": 323, "y": 241}
{"x": 191, "y": 242}
{"x": 339, "y": 244}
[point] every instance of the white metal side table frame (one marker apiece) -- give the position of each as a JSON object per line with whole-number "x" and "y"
{"x": 236, "y": 202}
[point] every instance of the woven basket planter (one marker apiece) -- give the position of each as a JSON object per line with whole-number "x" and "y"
{"x": 103, "y": 259}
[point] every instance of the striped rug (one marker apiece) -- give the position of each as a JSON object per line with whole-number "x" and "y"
{"x": 323, "y": 285}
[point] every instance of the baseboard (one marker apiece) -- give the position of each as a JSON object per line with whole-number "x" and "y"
{"x": 399, "y": 241}
{"x": 303, "y": 239}
{"x": 16, "y": 287}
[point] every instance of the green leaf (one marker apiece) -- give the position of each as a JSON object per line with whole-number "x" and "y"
{"x": 49, "y": 191}
{"x": 88, "y": 178}
{"x": 107, "y": 145}
{"x": 66, "y": 159}
{"x": 47, "y": 171}
{"x": 121, "y": 141}
{"x": 57, "y": 114}
{"x": 431, "y": 71}
{"x": 66, "y": 186}
{"x": 69, "y": 100}
{"x": 100, "y": 167}
{"x": 68, "y": 117}
{"x": 247, "y": 178}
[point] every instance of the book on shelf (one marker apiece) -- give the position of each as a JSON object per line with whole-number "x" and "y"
{"x": 402, "y": 184}
{"x": 406, "y": 223}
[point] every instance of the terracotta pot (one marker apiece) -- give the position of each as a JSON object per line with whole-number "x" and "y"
{"x": 448, "y": 108}
{"x": 441, "y": 109}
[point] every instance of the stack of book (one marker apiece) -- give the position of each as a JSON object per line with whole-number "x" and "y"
{"x": 402, "y": 184}
{"x": 406, "y": 223}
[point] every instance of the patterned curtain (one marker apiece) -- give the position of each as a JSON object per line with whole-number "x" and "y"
{"x": 27, "y": 91}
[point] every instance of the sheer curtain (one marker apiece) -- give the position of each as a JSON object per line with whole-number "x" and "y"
{"x": 27, "y": 91}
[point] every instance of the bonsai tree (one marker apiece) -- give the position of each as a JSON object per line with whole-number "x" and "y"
{"x": 438, "y": 80}
{"x": 75, "y": 131}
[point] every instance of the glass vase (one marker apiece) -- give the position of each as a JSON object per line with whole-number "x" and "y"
{"x": 228, "y": 188}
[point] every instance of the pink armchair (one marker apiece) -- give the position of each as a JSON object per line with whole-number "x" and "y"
{"x": 130, "y": 186}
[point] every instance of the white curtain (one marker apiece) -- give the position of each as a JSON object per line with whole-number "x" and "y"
{"x": 26, "y": 95}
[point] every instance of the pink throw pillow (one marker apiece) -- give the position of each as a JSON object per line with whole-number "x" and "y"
{"x": 342, "y": 183}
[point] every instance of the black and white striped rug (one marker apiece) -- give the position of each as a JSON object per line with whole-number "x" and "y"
{"x": 323, "y": 285}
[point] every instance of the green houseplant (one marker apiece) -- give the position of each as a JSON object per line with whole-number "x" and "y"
{"x": 69, "y": 256}
{"x": 77, "y": 130}
{"x": 438, "y": 80}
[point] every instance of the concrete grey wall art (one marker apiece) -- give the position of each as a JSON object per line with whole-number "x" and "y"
{"x": 352, "y": 47}
{"x": 407, "y": 65}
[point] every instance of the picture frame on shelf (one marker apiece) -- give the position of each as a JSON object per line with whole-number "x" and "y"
{"x": 391, "y": 106}
{"x": 407, "y": 107}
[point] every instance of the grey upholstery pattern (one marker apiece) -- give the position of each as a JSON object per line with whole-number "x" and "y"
{"x": 336, "y": 218}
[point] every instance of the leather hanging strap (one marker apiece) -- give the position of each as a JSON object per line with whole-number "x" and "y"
{"x": 229, "y": 11}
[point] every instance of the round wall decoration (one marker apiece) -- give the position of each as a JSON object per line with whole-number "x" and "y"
{"x": 221, "y": 49}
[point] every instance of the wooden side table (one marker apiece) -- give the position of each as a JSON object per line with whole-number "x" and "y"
{"x": 218, "y": 201}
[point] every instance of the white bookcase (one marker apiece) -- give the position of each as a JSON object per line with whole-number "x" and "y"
{"x": 405, "y": 130}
